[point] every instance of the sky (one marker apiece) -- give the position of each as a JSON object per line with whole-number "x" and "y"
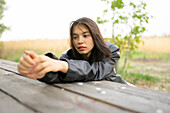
{"x": 50, "y": 19}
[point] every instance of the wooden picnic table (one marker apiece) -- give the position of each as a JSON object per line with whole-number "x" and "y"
{"x": 19, "y": 94}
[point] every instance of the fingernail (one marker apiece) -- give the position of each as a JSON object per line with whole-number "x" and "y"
{"x": 36, "y": 75}
{"x": 31, "y": 71}
{"x": 26, "y": 51}
{"x": 33, "y": 65}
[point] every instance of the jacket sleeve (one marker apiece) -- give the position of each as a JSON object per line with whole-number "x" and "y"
{"x": 81, "y": 70}
{"x": 52, "y": 77}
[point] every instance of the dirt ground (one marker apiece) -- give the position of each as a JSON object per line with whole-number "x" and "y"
{"x": 153, "y": 67}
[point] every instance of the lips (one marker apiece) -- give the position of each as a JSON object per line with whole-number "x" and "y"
{"x": 81, "y": 48}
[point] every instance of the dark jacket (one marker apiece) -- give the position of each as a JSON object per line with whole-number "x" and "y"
{"x": 82, "y": 70}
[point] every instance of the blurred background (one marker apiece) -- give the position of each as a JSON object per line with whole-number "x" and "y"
{"x": 43, "y": 26}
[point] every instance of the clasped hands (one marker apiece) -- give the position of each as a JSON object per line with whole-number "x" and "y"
{"x": 36, "y": 66}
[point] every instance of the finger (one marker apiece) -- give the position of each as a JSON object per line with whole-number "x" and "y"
{"x": 27, "y": 70}
{"x": 31, "y": 54}
{"x": 40, "y": 76}
{"x": 20, "y": 66}
{"x": 24, "y": 61}
{"x": 41, "y": 58}
{"x": 23, "y": 72}
{"x": 31, "y": 76}
{"x": 44, "y": 58}
{"x": 29, "y": 60}
{"x": 41, "y": 66}
{"x": 43, "y": 72}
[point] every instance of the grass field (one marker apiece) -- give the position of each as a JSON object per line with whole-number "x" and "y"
{"x": 155, "y": 45}
{"x": 149, "y": 67}
{"x": 13, "y": 50}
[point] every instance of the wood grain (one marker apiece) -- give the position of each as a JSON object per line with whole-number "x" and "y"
{"x": 10, "y": 105}
{"x": 107, "y": 95}
{"x": 8, "y": 65}
{"x": 121, "y": 96}
{"x": 46, "y": 98}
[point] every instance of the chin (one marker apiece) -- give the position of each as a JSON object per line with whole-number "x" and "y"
{"x": 83, "y": 53}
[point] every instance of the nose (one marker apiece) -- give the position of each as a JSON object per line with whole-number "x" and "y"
{"x": 80, "y": 40}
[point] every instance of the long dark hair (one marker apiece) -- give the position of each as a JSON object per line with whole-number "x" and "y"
{"x": 100, "y": 49}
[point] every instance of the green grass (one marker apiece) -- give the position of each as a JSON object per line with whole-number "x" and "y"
{"x": 141, "y": 77}
{"x": 16, "y": 55}
{"x": 146, "y": 55}
{"x": 133, "y": 77}
{"x": 167, "y": 80}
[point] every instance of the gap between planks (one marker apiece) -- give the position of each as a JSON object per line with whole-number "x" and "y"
{"x": 74, "y": 92}
{"x": 95, "y": 99}
{"x": 36, "y": 111}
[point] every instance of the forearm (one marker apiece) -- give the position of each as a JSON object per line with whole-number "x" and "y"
{"x": 64, "y": 66}
{"x": 80, "y": 70}
{"x": 57, "y": 73}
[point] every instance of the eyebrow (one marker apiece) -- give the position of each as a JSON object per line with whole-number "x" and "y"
{"x": 82, "y": 33}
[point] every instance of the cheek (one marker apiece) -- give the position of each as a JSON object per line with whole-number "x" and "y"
{"x": 74, "y": 43}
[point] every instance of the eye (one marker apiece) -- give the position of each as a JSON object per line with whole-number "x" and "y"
{"x": 74, "y": 37}
{"x": 86, "y": 35}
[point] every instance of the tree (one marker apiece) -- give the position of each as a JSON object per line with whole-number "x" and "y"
{"x": 2, "y": 8}
{"x": 2, "y": 26}
{"x": 128, "y": 20}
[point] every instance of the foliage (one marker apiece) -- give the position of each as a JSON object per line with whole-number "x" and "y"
{"x": 2, "y": 26}
{"x": 2, "y": 8}
{"x": 128, "y": 20}
{"x": 134, "y": 78}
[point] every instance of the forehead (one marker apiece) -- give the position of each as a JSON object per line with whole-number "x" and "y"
{"x": 80, "y": 28}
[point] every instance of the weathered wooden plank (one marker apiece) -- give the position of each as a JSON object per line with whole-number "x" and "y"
{"x": 8, "y": 65}
{"x": 121, "y": 96}
{"x": 136, "y": 91}
{"x": 137, "y": 99}
{"x": 47, "y": 98}
{"x": 9, "y": 105}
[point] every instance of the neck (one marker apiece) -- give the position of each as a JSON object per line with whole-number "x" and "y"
{"x": 86, "y": 56}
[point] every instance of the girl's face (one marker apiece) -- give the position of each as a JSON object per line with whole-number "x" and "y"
{"x": 82, "y": 40}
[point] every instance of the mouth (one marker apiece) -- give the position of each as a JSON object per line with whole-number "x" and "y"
{"x": 81, "y": 48}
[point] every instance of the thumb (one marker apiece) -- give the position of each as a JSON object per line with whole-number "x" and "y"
{"x": 31, "y": 54}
